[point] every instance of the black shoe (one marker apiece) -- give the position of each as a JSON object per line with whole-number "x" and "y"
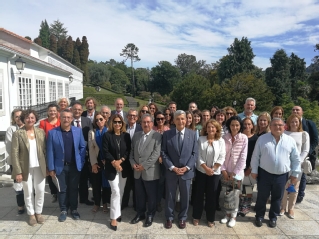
{"x": 20, "y": 210}
{"x": 272, "y": 223}
{"x": 119, "y": 219}
{"x": 114, "y": 228}
{"x": 137, "y": 218}
{"x": 75, "y": 215}
{"x": 148, "y": 221}
{"x": 299, "y": 199}
{"x": 88, "y": 202}
{"x": 258, "y": 222}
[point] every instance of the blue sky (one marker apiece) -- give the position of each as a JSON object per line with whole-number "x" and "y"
{"x": 164, "y": 29}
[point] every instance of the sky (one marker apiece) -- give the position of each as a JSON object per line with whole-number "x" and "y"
{"x": 164, "y": 29}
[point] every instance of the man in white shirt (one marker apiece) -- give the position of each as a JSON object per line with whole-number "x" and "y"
{"x": 119, "y": 104}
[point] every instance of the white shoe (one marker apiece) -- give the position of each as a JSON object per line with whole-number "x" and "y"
{"x": 232, "y": 222}
{"x": 224, "y": 220}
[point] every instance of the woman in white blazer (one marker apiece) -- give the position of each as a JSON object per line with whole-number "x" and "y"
{"x": 101, "y": 188}
{"x": 211, "y": 155}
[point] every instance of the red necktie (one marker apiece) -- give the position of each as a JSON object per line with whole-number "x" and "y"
{"x": 78, "y": 123}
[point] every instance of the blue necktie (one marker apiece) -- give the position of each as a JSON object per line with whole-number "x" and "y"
{"x": 180, "y": 141}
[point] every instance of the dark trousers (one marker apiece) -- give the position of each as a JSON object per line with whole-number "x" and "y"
{"x": 269, "y": 184}
{"x": 105, "y": 194}
{"x": 129, "y": 186}
{"x": 205, "y": 185}
{"x": 69, "y": 181}
{"x": 20, "y": 195}
{"x": 161, "y": 184}
{"x": 302, "y": 186}
{"x": 52, "y": 187}
{"x": 83, "y": 183}
{"x": 172, "y": 182}
{"x": 146, "y": 190}
{"x": 219, "y": 189}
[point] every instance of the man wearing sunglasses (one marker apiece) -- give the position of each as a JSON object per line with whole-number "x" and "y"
{"x": 145, "y": 151}
{"x": 132, "y": 127}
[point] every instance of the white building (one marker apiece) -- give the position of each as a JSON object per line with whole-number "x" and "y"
{"x": 45, "y": 78}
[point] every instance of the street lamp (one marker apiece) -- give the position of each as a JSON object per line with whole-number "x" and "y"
{"x": 234, "y": 103}
{"x": 20, "y": 64}
{"x": 70, "y": 78}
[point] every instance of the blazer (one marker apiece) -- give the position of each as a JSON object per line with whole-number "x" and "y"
{"x": 219, "y": 154}
{"x": 86, "y": 126}
{"x": 55, "y": 149}
{"x": 147, "y": 155}
{"x": 8, "y": 141}
{"x": 85, "y": 114}
{"x": 20, "y": 152}
{"x": 138, "y": 127}
{"x": 112, "y": 152}
{"x": 172, "y": 157}
{"x": 113, "y": 112}
{"x": 93, "y": 148}
{"x": 310, "y": 127}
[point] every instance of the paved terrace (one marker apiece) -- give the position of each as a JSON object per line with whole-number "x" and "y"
{"x": 12, "y": 225}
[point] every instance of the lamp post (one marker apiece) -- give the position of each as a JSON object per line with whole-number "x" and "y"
{"x": 20, "y": 64}
{"x": 70, "y": 79}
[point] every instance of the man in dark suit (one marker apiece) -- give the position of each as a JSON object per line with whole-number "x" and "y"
{"x": 310, "y": 127}
{"x": 132, "y": 127}
{"x": 90, "y": 104}
{"x": 65, "y": 159}
{"x": 179, "y": 153}
{"x": 146, "y": 148}
{"x": 86, "y": 125}
{"x": 119, "y": 104}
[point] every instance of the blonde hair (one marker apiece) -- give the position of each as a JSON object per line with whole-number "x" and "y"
{"x": 217, "y": 126}
{"x": 290, "y": 118}
{"x": 268, "y": 119}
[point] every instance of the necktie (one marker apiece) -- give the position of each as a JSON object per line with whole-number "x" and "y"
{"x": 78, "y": 123}
{"x": 142, "y": 142}
{"x": 180, "y": 141}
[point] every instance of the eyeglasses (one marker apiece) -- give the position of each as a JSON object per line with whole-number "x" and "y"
{"x": 99, "y": 119}
{"x": 158, "y": 119}
{"x": 144, "y": 111}
{"x": 131, "y": 115}
{"x": 117, "y": 122}
{"x": 229, "y": 113}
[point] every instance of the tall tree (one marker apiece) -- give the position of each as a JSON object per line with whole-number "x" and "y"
{"x": 278, "y": 75}
{"x": 130, "y": 51}
{"x": 53, "y": 44}
{"x": 240, "y": 59}
{"x": 68, "y": 50}
{"x": 38, "y": 41}
{"x": 188, "y": 64}
{"x": 44, "y": 34}
{"x": 298, "y": 74}
{"x": 57, "y": 29}
{"x": 76, "y": 58}
{"x": 84, "y": 57}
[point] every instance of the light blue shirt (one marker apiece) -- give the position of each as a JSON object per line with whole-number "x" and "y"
{"x": 253, "y": 117}
{"x": 276, "y": 158}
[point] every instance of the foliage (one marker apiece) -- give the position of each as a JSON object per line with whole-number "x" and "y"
{"x": 84, "y": 57}
{"x": 38, "y": 41}
{"x": 99, "y": 74}
{"x": 190, "y": 89}
{"x": 164, "y": 77}
{"x": 27, "y": 37}
{"x": 76, "y": 58}
{"x": 298, "y": 74}
{"x": 44, "y": 34}
{"x": 130, "y": 51}
{"x": 142, "y": 76}
{"x": 68, "y": 49}
{"x": 53, "y": 44}
{"x": 278, "y": 75}
{"x": 313, "y": 81}
{"x": 144, "y": 95}
{"x": 118, "y": 79}
{"x": 187, "y": 64}
{"x": 58, "y": 30}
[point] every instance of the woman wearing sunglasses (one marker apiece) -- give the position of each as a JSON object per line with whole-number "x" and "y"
{"x": 97, "y": 159}
{"x": 116, "y": 147}
{"x": 230, "y": 111}
{"x": 143, "y": 110}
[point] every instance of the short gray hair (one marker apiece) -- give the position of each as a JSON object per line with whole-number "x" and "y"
{"x": 179, "y": 112}
{"x": 250, "y": 99}
{"x": 147, "y": 115}
{"x": 192, "y": 103}
{"x": 276, "y": 119}
{"x": 62, "y": 98}
{"x": 105, "y": 106}
{"x": 131, "y": 110}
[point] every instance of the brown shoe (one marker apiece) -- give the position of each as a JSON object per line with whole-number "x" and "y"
{"x": 182, "y": 224}
{"x": 210, "y": 224}
{"x": 32, "y": 220}
{"x": 195, "y": 222}
{"x": 40, "y": 218}
{"x": 168, "y": 224}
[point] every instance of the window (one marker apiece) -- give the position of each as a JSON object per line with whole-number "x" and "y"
{"x": 40, "y": 91}
{"x": 25, "y": 91}
{"x": 60, "y": 90}
{"x": 52, "y": 89}
{"x": 66, "y": 90}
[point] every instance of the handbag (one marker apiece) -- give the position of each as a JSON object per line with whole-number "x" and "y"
{"x": 231, "y": 198}
{"x": 306, "y": 166}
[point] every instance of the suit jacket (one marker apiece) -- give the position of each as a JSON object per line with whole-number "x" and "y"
{"x": 20, "y": 152}
{"x": 55, "y": 149}
{"x": 146, "y": 155}
{"x": 113, "y": 112}
{"x": 85, "y": 114}
{"x": 86, "y": 126}
{"x": 112, "y": 152}
{"x": 310, "y": 127}
{"x": 172, "y": 157}
{"x": 138, "y": 127}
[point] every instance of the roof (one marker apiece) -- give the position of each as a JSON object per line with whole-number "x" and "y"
{"x": 15, "y": 35}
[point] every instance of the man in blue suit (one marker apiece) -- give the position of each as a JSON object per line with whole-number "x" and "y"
{"x": 179, "y": 153}
{"x": 65, "y": 158}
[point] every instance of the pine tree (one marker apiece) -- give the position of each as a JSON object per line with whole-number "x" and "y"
{"x": 38, "y": 41}
{"x": 53, "y": 44}
{"x": 44, "y": 34}
{"x": 68, "y": 49}
{"x": 57, "y": 29}
{"x": 76, "y": 58}
{"x": 84, "y": 56}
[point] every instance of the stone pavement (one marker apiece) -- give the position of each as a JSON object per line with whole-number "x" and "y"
{"x": 305, "y": 224}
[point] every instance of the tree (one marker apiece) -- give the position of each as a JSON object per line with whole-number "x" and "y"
{"x": 118, "y": 78}
{"x": 142, "y": 78}
{"x": 44, "y": 34}
{"x": 53, "y": 44}
{"x": 84, "y": 57}
{"x": 27, "y": 37}
{"x": 188, "y": 64}
{"x": 190, "y": 89}
{"x": 298, "y": 74}
{"x": 76, "y": 58}
{"x": 278, "y": 75}
{"x": 98, "y": 74}
{"x": 239, "y": 59}
{"x": 313, "y": 81}
{"x": 57, "y": 29}
{"x": 131, "y": 51}
{"x": 164, "y": 77}
{"x": 68, "y": 49}
{"x": 38, "y": 41}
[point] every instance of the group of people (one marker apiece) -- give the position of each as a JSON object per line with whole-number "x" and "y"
{"x": 182, "y": 156}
